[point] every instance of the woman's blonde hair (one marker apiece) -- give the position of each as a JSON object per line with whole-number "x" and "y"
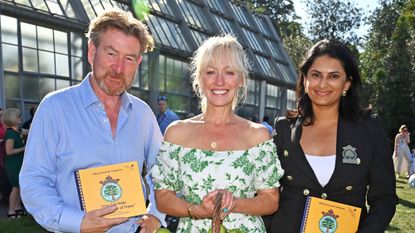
{"x": 10, "y": 116}
{"x": 213, "y": 49}
{"x": 402, "y": 128}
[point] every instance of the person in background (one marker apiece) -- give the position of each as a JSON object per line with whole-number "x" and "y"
{"x": 412, "y": 165}
{"x": 93, "y": 124}
{"x": 401, "y": 154}
{"x": 264, "y": 122}
{"x": 165, "y": 116}
{"x": 200, "y": 158}
{"x": 332, "y": 148}
{"x": 14, "y": 148}
{"x": 27, "y": 124}
{"x": 2, "y": 126}
{"x": 4, "y": 189}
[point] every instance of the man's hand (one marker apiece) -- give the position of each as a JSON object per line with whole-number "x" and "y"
{"x": 148, "y": 223}
{"x": 94, "y": 220}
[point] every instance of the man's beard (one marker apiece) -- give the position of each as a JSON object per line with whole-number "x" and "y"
{"x": 112, "y": 91}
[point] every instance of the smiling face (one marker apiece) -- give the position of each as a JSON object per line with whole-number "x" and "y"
{"x": 325, "y": 82}
{"x": 114, "y": 61}
{"x": 220, "y": 81}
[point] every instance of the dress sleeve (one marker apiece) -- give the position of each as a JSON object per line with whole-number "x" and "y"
{"x": 268, "y": 169}
{"x": 165, "y": 173}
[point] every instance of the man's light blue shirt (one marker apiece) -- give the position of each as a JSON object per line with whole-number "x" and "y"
{"x": 71, "y": 131}
{"x": 269, "y": 127}
{"x": 166, "y": 119}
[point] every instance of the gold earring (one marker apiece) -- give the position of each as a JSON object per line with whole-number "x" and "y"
{"x": 344, "y": 93}
{"x": 305, "y": 91}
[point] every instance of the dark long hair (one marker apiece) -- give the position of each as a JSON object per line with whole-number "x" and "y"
{"x": 349, "y": 109}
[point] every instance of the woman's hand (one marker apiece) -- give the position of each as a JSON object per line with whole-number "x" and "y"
{"x": 228, "y": 203}
{"x": 205, "y": 208}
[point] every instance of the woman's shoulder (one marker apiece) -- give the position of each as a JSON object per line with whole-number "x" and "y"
{"x": 179, "y": 131}
{"x": 256, "y": 132}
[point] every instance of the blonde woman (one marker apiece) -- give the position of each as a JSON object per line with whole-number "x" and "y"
{"x": 402, "y": 154}
{"x": 218, "y": 151}
{"x": 14, "y": 147}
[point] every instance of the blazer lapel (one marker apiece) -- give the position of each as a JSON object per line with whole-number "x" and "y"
{"x": 299, "y": 158}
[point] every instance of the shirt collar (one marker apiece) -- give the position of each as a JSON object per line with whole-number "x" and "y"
{"x": 89, "y": 97}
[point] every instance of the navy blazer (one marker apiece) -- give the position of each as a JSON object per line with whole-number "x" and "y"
{"x": 363, "y": 172}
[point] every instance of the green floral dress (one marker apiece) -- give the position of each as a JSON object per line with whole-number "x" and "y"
{"x": 193, "y": 173}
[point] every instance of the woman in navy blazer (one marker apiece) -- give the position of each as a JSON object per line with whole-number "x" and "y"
{"x": 332, "y": 148}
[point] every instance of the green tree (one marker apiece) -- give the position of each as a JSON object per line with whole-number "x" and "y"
{"x": 334, "y": 19}
{"x": 296, "y": 42}
{"x": 389, "y": 63}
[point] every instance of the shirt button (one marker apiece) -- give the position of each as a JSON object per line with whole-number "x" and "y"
{"x": 285, "y": 153}
{"x": 306, "y": 192}
{"x": 349, "y": 188}
{"x": 324, "y": 195}
{"x": 358, "y": 161}
{"x": 290, "y": 178}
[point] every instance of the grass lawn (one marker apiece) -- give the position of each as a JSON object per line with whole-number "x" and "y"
{"x": 23, "y": 224}
{"x": 402, "y": 222}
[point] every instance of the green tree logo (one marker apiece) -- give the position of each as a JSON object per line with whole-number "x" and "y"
{"x": 328, "y": 223}
{"x": 111, "y": 191}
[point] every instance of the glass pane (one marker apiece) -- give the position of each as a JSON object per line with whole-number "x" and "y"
{"x": 263, "y": 26}
{"x": 61, "y": 42}
{"x": 198, "y": 37}
{"x": 8, "y": 29}
{"x": 11, "y": 86}
{"x": 168, "y": 33}
{"x": 162, "y": 75}
{"x": 54, "y": 7}
{"x": 46, "y": 85}
{"x": 30, "y": 62}
{"x": 39, "y": 4}
{"x": 45, "y": 38}
{"x": 223, "y": 24}
{"x": 46, "y": 62}
{"x": 30, "y": 88}
{"x": 253, "y": 41}
{"x": 178, "y": 103}
{"x": 144, "y": 73}
{"x": 178, "y": 69}
{"x": 77, "y": 67}
{"x": 23, "y": 2}
{"x": 68, "y": 9}
{"x": 239, "y": 12}
{"x": 60, "y": 84}
{"x": 161, "y": 6}
{"x": 28, "y": 35}
{"x": 88, "y": 9}
{"x": 136, "y": 80}
{"x": 76, "y": 44}
{"x": 10, "y": 58}
{"x": 12, "y": 103}
{"x": 169, "y": 66}
{"x": 216, "y": 4}
{"x": 62, "y": 65}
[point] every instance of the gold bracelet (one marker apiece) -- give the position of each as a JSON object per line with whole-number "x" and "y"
{"x": 190, "y": 211}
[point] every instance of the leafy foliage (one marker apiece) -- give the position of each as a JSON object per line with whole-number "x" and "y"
{"x": 334, "y": 19}
{"x": 389, "y": 63}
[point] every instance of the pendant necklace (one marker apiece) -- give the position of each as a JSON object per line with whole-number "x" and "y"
{"x": 213, "y": 143}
